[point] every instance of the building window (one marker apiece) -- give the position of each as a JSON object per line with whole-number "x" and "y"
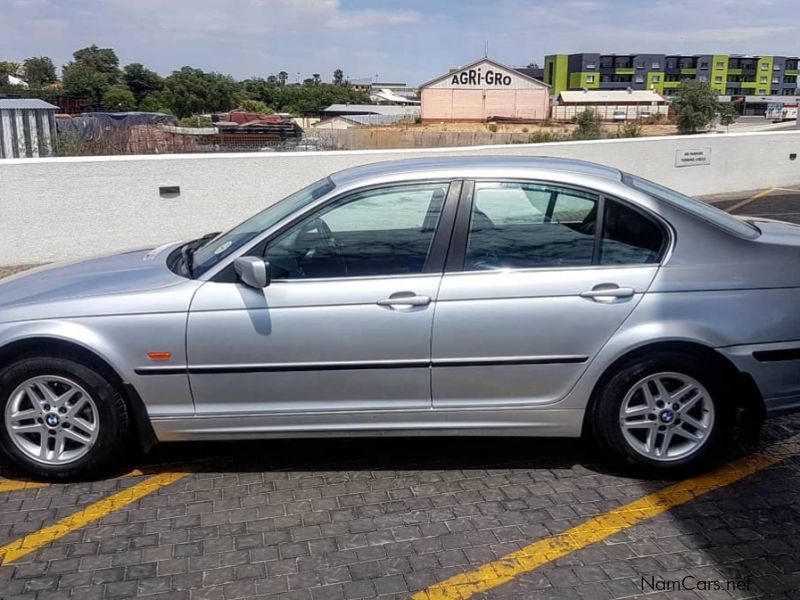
{"x": 776, "y": 80}
{"x": 656, "y": 66}
{"x": 762, "y": 80}
{"x": 590, "y": 66}
{"x": 720, "y": 65}
{"x": 764, "y": 66}
{"x": 639, "y": 79}
{"x": 704, "y": 64}
{"x": 702, "y": 78}
{"x": 762, "y": 92}
{"x": 671, "y": 64}
{"x": 590, "y": 79}
{"x": 640, "y": 65}
{"x": 776, "y": 67}
{"x": 718, "y": 79}
{"x": 656, "y": 78}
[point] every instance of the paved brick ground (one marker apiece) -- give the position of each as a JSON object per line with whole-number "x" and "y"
{"x": 350, "y": 519}
{"x": 346, "y": 519}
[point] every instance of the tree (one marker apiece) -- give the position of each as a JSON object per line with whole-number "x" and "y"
{"x": 727, "y": 114}
{"x": 103, "y": 60}
{"x": 316, "y": 78}
{"x": 696, "y": 106}
{"x": 190, "y": 91}
{"x": 255, "y": 106}
{"x": 153, "y": 103}
{"x": 39, "y": 71}
{"x": 82, "y": 81}
{"x": 588, "y": 123}
{"x": 141, "y": 81}
{"x": 92, "y": 72}
{"x": 119, "y": 99}
{"x": 338, "y": 77}
{"x": 283, "y": 77}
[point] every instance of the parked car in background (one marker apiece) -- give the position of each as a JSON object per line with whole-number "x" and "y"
{"x": 620, "y": 115}
{"x": 445, "y": 296}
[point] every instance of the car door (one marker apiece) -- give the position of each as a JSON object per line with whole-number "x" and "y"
{"x": 539, "y": 277}
{"x": 344, "y": 324}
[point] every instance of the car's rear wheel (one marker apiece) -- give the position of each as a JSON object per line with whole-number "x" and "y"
{"x": 666, "y": 411}
{"x": 60, "y": 418}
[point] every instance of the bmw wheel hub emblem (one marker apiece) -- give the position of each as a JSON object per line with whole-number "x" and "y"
{"x": 52, "y": 420}
{"x": 667, "y": 416}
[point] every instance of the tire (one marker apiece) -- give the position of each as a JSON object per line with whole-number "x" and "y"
{"x": 673, "y": 447}
{"x": 87, "y": 427}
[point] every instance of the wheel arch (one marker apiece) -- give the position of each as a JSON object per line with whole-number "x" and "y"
{"x": 61, "y": 348}
{"x": 749, "y": 404}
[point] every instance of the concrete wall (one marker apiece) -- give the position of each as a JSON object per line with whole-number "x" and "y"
{"x": 55, "y": 209}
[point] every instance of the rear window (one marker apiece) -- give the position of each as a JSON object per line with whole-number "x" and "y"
{"x": 703, "y": 210}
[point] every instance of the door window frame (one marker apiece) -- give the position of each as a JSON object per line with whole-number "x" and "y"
{"x": 437, "y": 252}
{"x": 461, "y": 227}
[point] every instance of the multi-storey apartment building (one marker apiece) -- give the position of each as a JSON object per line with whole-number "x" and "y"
{"x": 728, "y": 74}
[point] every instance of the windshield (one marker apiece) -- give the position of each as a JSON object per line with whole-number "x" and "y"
{"x": 698, "y": 208}
{"x": 225, "y": 244}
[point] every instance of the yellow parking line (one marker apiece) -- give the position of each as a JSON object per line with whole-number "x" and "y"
{"x": 13, "y": 485}
{"x": 747, "y": 201}
{"x": 533, "y": 556}
{"x": 25, "y": 545}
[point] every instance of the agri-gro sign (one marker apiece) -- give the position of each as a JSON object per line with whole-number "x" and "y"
{"x": 479, "y": 77}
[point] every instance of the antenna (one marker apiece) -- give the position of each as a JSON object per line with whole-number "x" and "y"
{"x": 486, "y": 49}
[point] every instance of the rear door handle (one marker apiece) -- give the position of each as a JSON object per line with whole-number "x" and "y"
{"x": 405, "y": 299}
{"x": 607, "y": 293}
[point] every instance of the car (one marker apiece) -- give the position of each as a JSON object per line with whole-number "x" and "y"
{"x": 441, "y": 296}
{"x": 620, "y": 115}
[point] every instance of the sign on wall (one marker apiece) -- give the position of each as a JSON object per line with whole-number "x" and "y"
{"x": 485, "y": 74}
{"x": 692, "y": 158}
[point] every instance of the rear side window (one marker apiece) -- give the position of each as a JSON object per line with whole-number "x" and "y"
{"x": 520, "y": 225}
{"x": 629, "y": 237}
{"x": 528, "y": 225}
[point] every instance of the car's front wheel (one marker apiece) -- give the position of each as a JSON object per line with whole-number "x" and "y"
{"x": 666, "y": 412}
{"x": 60, "y": 418}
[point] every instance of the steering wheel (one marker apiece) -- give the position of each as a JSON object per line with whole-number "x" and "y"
{"x": 326, "y": 236}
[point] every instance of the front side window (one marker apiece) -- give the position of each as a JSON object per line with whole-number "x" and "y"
{"x": 384, "y": 231}
{"x": 227, "y": 243}
{"x": 526, "y": 225}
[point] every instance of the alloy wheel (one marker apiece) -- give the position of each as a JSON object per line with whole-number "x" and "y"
{"x": 52, "y": 419}
{"x": 667, "y": 416}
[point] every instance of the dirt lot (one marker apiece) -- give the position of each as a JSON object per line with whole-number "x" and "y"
{"x": 553, "y": 128}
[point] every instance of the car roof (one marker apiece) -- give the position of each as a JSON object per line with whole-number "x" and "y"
{"x": 464, "y": 167}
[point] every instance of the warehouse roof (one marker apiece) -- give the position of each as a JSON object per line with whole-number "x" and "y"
{"x": 610, "y": 96}
{"x": 371, "y": 109}
{"x": 25, "y": 104}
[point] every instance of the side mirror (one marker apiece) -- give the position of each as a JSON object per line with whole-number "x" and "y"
{"x": 252, "y": 271}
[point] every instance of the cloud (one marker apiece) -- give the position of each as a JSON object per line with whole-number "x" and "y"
{"x": 195, "y": 18}
{"x": 408, "y": 40}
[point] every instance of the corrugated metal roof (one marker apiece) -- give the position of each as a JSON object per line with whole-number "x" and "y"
{"x": 372, "y": 109}
{"x": 25, "y": 104}
{"x": 617, "y": 96}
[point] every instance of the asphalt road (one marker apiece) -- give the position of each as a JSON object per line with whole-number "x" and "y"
{"x": 439, "y": 518}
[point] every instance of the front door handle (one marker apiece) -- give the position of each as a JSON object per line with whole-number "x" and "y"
{"x": 606, "y": 293}
{"x": 405, "y": 299}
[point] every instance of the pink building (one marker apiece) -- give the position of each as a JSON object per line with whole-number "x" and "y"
{"x": 483, "y": 91}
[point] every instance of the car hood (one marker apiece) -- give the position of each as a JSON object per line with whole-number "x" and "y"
{"x": 135, "y": 273}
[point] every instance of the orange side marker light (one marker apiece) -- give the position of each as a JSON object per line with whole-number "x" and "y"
{"x": 159, "y": 355}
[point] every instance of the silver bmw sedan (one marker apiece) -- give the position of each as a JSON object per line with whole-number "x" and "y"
{"x": 448, "y": 296}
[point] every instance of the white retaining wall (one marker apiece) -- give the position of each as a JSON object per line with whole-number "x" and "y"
{"x": 56, "y": 209}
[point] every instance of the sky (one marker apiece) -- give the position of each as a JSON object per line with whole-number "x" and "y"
{"x": 392, "y": 40}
